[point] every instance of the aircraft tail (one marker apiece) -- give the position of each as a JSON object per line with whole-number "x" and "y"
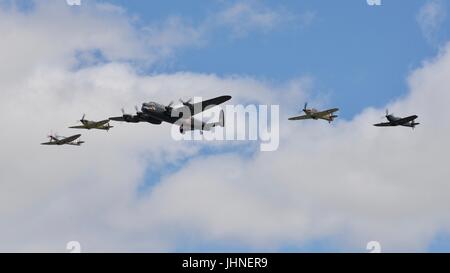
{"x": 220, "y": 123}
{"x": 78, "y": 143}
{"x": 411, "y": 125}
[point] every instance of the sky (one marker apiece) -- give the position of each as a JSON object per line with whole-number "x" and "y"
{"x": 378, "y": 45}
{"x": 327, "y": 188}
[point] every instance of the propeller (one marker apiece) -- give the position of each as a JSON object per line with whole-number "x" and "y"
{"x": 304, "y": 107}
{"x": 82, "y": 118}
{"x": 186, "y": 102}
{"x": 387, "y": 114}
{"x": 169, "y": 107}
{"x": 54, "y": 135}
{"x": 138, "y": 113}
{"x": 124, "y": 113}
{"x": 51, "y": 135}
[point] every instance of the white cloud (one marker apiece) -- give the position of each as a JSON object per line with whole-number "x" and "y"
{"x": 239, "y": 18}
{"x": 431, "y": 17}
{"x": 49, "y": 34}
{"x": 174, "y": 33}
{"x": 349, "y": 181}
{"x": 246, "y": 16}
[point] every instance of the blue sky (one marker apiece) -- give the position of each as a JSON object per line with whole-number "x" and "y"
{"x": 377, "y": 45}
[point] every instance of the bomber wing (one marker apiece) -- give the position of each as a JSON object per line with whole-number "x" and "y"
{"x": 128, "y": 118}
{"x": 117, "y": 119}
{"x": 201, "y": 106}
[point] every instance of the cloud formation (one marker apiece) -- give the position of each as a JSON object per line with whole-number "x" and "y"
{"x": 430, "y": 18}
{"x": 243, "y": 17}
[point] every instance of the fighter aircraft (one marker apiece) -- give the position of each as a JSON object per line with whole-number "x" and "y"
{"x": 60, "y": 140}
{"x": 396, "y": 121}
{"x": 88, "y": 124}
{"x": 156, "y": 113}
{"x": 327, "y": 115}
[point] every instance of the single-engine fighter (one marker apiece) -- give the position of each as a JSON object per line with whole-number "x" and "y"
{"x": 312, "y": 113}
{"x": 396, "y": 121}
{"x": 88, "y": 124}
{"x": 156, "y": 113}
{"x": 60, "y": 140}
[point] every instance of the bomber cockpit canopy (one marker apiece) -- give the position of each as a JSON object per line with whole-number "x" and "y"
{"x": 150, "y": 105}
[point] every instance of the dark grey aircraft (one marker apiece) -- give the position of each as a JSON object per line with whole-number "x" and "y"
{"x": 156, "y": 113}
{"x": 396, "y": 121}
{"x": 312, "y": 113}
{"x": 60, "y": 140}
{"x": 88, "y": 124}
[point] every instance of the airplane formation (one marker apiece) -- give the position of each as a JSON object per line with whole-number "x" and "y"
{"x": 156, "y": 113}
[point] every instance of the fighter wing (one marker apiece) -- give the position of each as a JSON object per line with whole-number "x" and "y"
{"x": 49, "y": 143}
{"x": 201, "y": 106}
{"x": 300, "y": 117}
{"x": 326, "y": 112}
{"x": 78, "y": 127}
{"x": 383, "y": 124}
{"x": 101, "y": 123}
{"x": 69, "y": 139}
{"x": 405, "y": 120}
